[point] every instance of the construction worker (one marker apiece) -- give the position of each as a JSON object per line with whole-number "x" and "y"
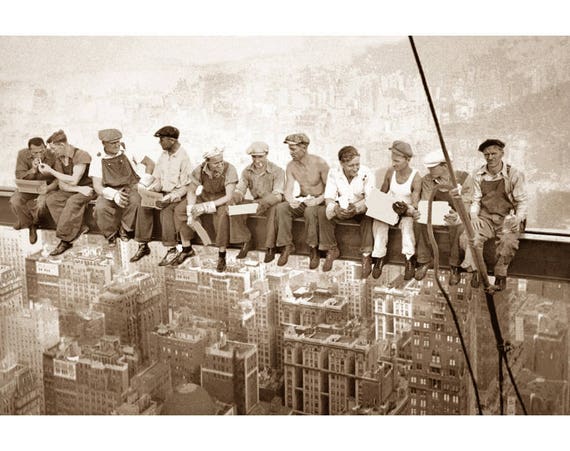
{"x": 171, "y": 176}
{"x": 115, "y": 181}
{"x": 498, "y": 210}
{"x": 67, "y": 204}
{"x": 218, "y": 180}
{"x": 404, "y": 184}
{"x": 345, "y": 192}
{"x": 266, "y": 183}
{"x": 439, "y": 175}
{"x": 310, "y": 172}
{"x": 30, "y": 207}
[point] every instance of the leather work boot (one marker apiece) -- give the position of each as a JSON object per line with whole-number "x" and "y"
{"x": 410, "y": 268}
{"x": 454, "y": 275}
{"x": 168, "y": 257}
{"x": 141, "y": 252}
{"x": 377, "y": 269}
{"x": 33, "y": 234}
{"x": 332, "y": 255}
{"x": 182, "y": 256}
{"x": 61, "y": 248}
{"x": 124, "y": 235}
{"x": 284, "y": 257}
{"x": 501, "y": 283}
{"x": 269, "y": 255}
{"x": 421, "y": 271}
{"x": 245, "y": 248}
{"x": 221, "y": 266}
{"x": 366, "y": 266}
{"x": 314, "y": 258}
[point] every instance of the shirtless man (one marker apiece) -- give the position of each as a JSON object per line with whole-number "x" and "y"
{"x": 310, "y": 172}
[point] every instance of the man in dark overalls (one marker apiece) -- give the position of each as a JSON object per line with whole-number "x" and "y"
{"x": 115, "y": 181}
{"x": 29, "y": 207}
{"x": 498, "y": 210}
{"x": 439, "y": 175}
{"x": 67, "y": 204}
{"x": 218, "y": 179}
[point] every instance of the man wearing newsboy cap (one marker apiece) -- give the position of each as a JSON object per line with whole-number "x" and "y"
{"x": 170, "y": 177}
{"x": 115, "y": 179}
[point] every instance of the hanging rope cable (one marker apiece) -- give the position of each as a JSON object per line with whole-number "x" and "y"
{"x": 446, "y": 296}
{"x": 477, "y": 253}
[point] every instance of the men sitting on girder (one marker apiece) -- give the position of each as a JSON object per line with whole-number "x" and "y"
{"x": 171, "y": 176}
{"x": 498, "y": 210}
{"x": 345, "y": 192}
{"x": 310, "y": 172}
{"x": 29, "y": 207}
{"x": 404, "y": 184}
{"x": 115, "y": 181}
{"x": 266, "y": 183}
{"x": 439, "y": 175}
{"x": 218, "y": 180}
{"x": 67, "y": 204}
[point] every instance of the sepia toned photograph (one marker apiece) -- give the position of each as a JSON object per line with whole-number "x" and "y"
{"x": 372, "y": 225}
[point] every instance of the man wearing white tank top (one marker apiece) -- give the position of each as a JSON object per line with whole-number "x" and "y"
{"x": 404, "y": 183}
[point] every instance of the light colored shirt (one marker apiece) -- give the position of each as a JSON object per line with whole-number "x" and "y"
{"x": 172, "y": 172}
{"x": 515, "y": 188}
{"x": 270, "y": 181}
{"x": 339, "y": 189}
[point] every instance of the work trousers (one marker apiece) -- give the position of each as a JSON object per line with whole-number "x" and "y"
{"x": 285, "y": 215}
{"x": 423, "y": 249}
{"x": 327, "y": 237}
{"x": 145, "y": 225}
{"x": 67, "y": 211}
{"x": 220, "y": 219}
{"x": 110, "y": 216}
{"x": 507, "y": 243}
{"x": 380, "y": 230}
{"x": 240, "y": 233}
{"x": 28, "y": 208}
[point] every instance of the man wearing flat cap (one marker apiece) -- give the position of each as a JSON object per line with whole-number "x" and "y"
{"x": 170, "y": 177}
{"x": 404, "y": 184}
{"x": 310, "y": 172}
{"x": 439, "y": 175}
{"x": 28, "y": 208}
{"x": 498, "y": 210}
{"x": 115, "y": 181}
{"x": 218, "y": 180}
{"x": 266, "y": 183}
{"x": 67, "y": 204}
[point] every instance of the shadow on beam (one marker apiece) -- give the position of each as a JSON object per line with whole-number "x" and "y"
{"x": 542, "y": 254}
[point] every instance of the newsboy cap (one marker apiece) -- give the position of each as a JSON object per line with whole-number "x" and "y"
{"x": 110, "y": 134}
{"x": 402, "y": 148}
{"x": 297, "y": 138}
{"x": 215, "y": 152}
{"x": 168, "y": 131}
{"x": 491, "y": 142}
{"x": 57, "y": 137}
{"x": 258, "y": 148}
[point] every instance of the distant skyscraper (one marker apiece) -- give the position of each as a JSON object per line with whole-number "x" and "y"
{"x": 20, "y": 391}
{"x": 10, "y": 288}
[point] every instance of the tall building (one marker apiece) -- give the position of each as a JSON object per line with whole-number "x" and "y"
{"x": 70, "y": 281}
{"x": 132, "y": 308}
{"x": 11, "y": 289}
{"x": 28, "y": 333}
{"x": 230, "y": 373}
{"x": 437, "y": 377}
{"x": 90, "y": 381}
{"x": 182, "y": 344}
{"x": 20, "y": 391}
{"x": 85, "y": 326}
{"x": 324, "y": 372}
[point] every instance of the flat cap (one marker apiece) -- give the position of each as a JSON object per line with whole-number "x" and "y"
{"x": 258, "y": 148}
{"x": 297, "y": 138}
{"x": 57, "y": 137}
{"x": 491, "y": 142}
{"x": 168, "y": 131}
{"x": 110, "y": 134}
{"x": 403, "y": 148}
{"x": 215, "y": 152}
{"x": 434, "y": 158}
